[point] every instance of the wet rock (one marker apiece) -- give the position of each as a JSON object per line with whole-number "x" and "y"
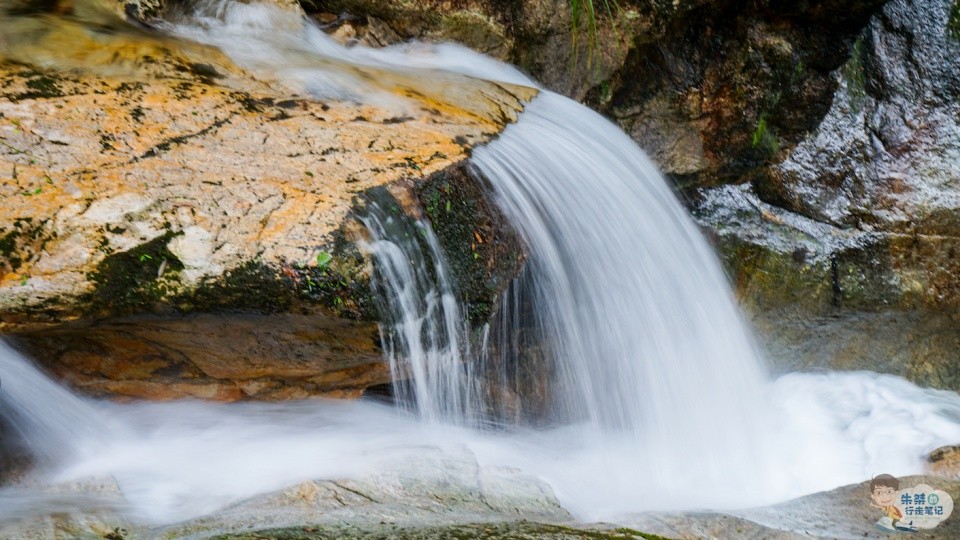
{"x": 87, "y": 510}
{"x": 536, "y": 35}
{"x": 715, "y": 90}
{"x": 885, "y": 156}
{"x": 854, "y": 232}
{"x": 430, "y": 489}
{"x": 823, "y": 296}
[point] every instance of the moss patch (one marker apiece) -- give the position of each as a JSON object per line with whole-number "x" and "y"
{"x": 482, "y": 250}
{"x": 338, "y": 281}
{"x": 855, "y": 73}
{"x": 38, "y": 86}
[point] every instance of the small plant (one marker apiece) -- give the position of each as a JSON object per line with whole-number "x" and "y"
{"x": 584, "y": 13}
{"x": 323, "y": 259}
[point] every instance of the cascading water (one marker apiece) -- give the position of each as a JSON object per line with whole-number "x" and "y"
{"x": 658, "y": 399}
{"x": 50, "y": 421}
{"x": 640, "y": 321}
{"x": 423, "y": 334}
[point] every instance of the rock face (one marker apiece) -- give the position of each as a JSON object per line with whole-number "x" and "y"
{"x": 854, "y": 231}
{"x": 724, "y": 87}
{"x": 140, "y": 195}
{"x": 945, "y": 462}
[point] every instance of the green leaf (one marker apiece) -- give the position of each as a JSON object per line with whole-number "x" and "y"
{"x": 323, "y": 259}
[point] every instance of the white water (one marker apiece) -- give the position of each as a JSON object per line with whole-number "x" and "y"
{"x": 641, "y": 322}
{"x": 423, "y": 333}
{"x": 49, "y": 421}
{"x": 664, "y": 403}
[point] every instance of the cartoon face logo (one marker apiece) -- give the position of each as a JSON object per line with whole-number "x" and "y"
{"x": 908, "y": 510}
{"x": 883, "y": 495}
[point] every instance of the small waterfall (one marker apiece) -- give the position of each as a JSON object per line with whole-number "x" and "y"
{"x": 423, "y": 332}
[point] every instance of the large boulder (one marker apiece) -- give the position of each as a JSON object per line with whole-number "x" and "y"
{"x": 171, "y": 225}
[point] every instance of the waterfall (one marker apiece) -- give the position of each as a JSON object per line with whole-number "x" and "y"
{"x": 621, "y": 333}
{"x": 638, "y": 317}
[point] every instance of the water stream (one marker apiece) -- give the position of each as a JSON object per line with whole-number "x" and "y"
{"x": 659, "y": 397}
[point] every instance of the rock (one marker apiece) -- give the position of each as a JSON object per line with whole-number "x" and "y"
{"x": 852, "y": 233}
{"x": 429, "y": 489}
{"x": 535, "y": 35}
{"x": 432, "y": 489}
{"x": 885, "y": 157}
{"x": 715, "y": 90}
{"x": 141, "y": 193}
{"x": 945, "y": 462}
{"x": 844, "y": 512}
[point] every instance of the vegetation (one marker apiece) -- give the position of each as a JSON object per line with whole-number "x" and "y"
{"x": 763, "y": 138}
{"x": 584, "y": 13}
{"x": 855, "y": 73}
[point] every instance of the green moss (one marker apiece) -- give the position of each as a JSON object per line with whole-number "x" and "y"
{"x": 763, "y": 138}
{"x": 855, "y": 73}
{"x": 39, "y": 86}
{"x": 19, "y": 242}
{"x": 8, "y": 246}
{"x": 340, "y": 284}
{"x": 767, "y": 279}
{"x": 480, "y": 249}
